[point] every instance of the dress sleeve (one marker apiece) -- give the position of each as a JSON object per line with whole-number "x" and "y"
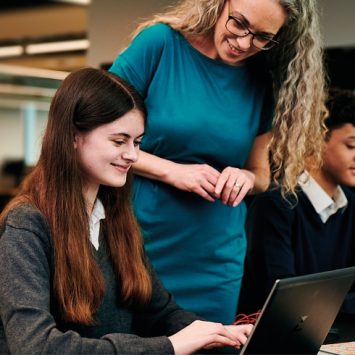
{"x": 138, "y": 63}
{"x": 25, "y": 290}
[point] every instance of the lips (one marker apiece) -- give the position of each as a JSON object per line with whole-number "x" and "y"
{"x": 234, "y": 49}
{"x": 121, "y": 168}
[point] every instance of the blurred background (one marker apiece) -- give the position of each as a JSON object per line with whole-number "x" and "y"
{"x": 42, "y": 41}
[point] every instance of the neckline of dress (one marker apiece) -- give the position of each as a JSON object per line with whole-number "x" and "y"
{"x": 207, "y": 58}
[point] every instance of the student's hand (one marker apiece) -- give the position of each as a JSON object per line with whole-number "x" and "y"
{"x": 242, "y": 332}
{"x": 207, "y": 335}
{"x": 198, "y": 178}
{"x": 233, "y": 184}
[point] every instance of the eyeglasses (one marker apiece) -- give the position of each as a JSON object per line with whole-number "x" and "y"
{"x": 238, "y": 28}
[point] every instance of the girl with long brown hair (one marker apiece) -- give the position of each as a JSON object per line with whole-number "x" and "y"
{"x": 73, "y": 274}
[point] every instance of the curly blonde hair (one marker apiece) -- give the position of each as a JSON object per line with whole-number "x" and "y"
{"x": 190, "y": 17}
{"x": 297, "y": 72}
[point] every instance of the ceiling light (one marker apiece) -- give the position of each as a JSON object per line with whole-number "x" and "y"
{"x": 63, "y": 46}
{"x": 77, "y": 2}
{"x": 16, "y": 70}
{"x": 26, "y": 90}
{"x": 11, "y": 51}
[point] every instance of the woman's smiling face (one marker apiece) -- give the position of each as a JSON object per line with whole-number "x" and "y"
{"x": 264, "y": 17}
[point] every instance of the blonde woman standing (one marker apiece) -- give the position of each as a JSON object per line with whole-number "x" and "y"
{"x": 215, "y": 74}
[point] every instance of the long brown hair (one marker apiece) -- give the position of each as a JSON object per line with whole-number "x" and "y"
{"x": 86, "y": 99}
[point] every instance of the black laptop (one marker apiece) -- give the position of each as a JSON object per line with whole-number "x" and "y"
{"x": 299, "y": 312}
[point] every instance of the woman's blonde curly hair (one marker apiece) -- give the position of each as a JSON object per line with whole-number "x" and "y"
{"x": 296, "y": 68}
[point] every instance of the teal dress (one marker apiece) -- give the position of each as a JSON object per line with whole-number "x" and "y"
{"x": 200, "y": 111}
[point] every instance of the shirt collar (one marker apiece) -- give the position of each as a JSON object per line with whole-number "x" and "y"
{"x": 324, "y": 205}
{"x": 98, "y": 212}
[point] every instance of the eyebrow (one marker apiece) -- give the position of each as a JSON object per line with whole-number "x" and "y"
{"x": 246, "y": 22}
{"x": 126, "y": 135}
{"x": 240, "y": 16}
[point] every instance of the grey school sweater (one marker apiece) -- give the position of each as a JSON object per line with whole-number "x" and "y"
{"x": 30, "y": 320}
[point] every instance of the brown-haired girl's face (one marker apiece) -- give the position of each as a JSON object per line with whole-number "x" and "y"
{"x": 107, "y": 152}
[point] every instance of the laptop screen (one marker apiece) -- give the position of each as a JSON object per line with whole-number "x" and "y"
{"x": 299, "y": 312}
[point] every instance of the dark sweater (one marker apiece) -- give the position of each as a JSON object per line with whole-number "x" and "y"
{"x": 285, "y": 241}
{"x": 31, "y": 323}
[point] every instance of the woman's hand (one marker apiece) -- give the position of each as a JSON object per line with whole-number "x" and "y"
{"x": 208, "y": 335}
{"x": 198, "y": 178}
{"x": 233, "y": 184}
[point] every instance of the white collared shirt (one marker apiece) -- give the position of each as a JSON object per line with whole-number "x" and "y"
{"x": 324, "y": 205}
{"x": 98, "y": 213}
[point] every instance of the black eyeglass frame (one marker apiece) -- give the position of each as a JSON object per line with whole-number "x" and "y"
{"x": 272, "y": 42}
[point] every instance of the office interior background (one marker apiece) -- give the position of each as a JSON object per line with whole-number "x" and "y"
{"x": 41, "y": 41}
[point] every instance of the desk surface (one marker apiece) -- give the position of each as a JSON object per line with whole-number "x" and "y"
{"x": 341, "y": 338}
{"x": 339, "y": 348}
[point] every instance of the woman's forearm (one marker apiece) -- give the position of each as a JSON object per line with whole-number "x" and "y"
{"x": 262, "y": 180}
{"x": 153, "y": 167}
{"x": 258, "y": 163}
{"x": 197, "y": 178}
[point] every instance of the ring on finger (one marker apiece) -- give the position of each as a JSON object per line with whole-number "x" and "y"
{"x": 237, "y": 185}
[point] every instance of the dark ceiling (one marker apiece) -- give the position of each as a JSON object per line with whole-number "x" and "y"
{"x": 17, "y": 4}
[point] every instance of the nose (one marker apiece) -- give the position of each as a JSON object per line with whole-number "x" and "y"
{"x": 244, "y": 43}
{"x": 131, "y": 153}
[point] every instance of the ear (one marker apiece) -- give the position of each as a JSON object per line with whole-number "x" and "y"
{"x": 75, "y": 140}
